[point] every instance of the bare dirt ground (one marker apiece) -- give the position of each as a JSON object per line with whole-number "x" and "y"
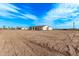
{"x": 39, "y": 43}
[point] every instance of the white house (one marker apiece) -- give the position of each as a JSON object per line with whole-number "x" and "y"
{"x": 24, "y": 28}
{"x": 44, "y": 27}
{"x": 47, "y": 28}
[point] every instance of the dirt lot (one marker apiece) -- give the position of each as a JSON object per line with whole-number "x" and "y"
{"x": 39, "y": 43}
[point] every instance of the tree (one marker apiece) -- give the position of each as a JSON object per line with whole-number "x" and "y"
{"x": 4, "y": 27}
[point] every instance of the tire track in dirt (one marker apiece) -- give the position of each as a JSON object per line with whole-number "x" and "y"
{"x": 35, "y": 48}
{"x": 48, "y": 50}
{"x": 34, "y": 43}
{"x": 20, "y": 47}
{"x": 46, "y": 44}
{"x": 13, "y": 46}
{"x": 6, "y": 45}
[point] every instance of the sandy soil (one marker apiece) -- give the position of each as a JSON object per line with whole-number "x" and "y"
{"x": 39, "y": 43}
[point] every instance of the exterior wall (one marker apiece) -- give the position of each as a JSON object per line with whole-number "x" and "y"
{"x": 50, "y": 28}
{"x": 38, "y": 28}
{"x": 35, "y": 28}
{"x": 45, "y": 28}
{"x": 24, "y": 28}
{"x": 41, "y": 28}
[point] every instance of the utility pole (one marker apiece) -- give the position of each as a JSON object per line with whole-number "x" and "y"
{"x": 73, "y": 25}
{"x": 73, "y": 29}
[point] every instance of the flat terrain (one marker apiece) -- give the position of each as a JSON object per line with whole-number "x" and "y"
{"x": 39, "y": 43}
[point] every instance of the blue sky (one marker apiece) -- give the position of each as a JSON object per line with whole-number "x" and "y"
{"x": 57, "y": 15}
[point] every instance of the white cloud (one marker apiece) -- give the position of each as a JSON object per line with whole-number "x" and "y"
{"x": 66, "y": 11}
{"x": 29, "y": 16}
{"x": 62, "y": 11}
{"x": 11, "y": 24}
{"x": 69, "y": 24}
{"x": 8, "y": 7}
{"x": 65, "y": 25}
{"x": 5, "y": 10}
